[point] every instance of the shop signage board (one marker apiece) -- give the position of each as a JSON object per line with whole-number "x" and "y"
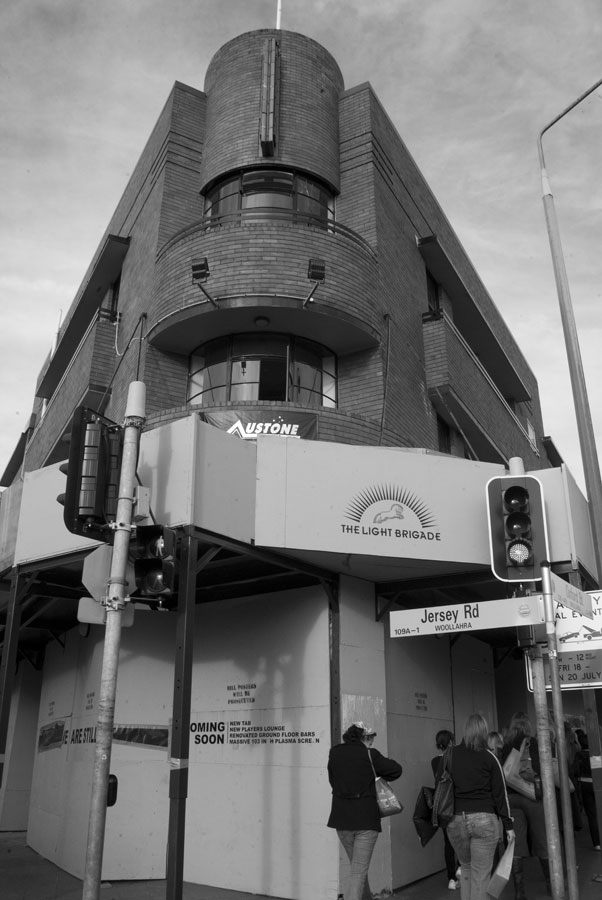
{"x": 467, "y": 617}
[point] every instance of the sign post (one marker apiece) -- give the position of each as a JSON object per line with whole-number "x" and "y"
{"x": 115, "y": 602}
{"x": 565, "y": 795}
{"x": 553, "y": 839}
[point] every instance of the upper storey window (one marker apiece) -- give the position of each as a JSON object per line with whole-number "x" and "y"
{"x": 269, "y": 193}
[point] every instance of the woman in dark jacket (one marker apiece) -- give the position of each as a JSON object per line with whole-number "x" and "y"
{"x": 480, "y": 801}
{"x": 528, "y": 814}
{"x": 354, "y": 812}
{"x": 443, "y": 740}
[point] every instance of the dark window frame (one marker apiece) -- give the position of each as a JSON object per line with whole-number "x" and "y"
{"x": 232, "y": 363}
{"x": 309, "y": 197}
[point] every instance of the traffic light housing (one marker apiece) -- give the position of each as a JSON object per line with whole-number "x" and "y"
{"x": 92, "y": 470}
{"x": 518, "y": 539}
{"x": 153, "y": 550}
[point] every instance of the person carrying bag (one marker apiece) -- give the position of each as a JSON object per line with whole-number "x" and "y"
{"x": 480, "y": 802}
{"x": 353, "y": 767}
{"x": 520, "y": 758}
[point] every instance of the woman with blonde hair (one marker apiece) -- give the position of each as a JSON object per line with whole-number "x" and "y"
{"x": 480, "y": 800}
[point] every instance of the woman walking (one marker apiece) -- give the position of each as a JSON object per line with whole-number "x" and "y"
{"x": 443, "y": 740}
{"x": 480, "y": 800}
{"x": 528, "y": 814}
{"x": 354, "y": 812}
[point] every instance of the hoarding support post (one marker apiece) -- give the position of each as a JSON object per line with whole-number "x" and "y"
{"x": 334, "y": 652}
{"x": 180, "y": 728}
{"x": 9, "y": 660}
{"x": 547, "y": 781}
{"x": 115, "y": 601}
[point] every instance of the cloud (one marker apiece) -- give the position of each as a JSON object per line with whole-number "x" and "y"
{"x": 467, "y": 83}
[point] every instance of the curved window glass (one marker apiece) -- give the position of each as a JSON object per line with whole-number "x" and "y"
{"x": 263, "y": 191}
{"x": 277, "y": 368}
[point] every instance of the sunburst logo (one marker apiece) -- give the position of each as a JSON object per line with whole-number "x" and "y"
{"x": 392, "y": 503}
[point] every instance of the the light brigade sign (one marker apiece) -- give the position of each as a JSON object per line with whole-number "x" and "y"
{"x": 467, "y": 617}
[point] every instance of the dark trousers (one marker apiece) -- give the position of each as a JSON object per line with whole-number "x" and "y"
{"x": 450, "y": 856}
{"x": 588, "y": 799}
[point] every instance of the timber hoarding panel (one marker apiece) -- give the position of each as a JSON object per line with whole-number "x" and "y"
{"x": 197, "y": 474}
{"x": 136, "y": 832}
{"x": 372, "y": 501}
{"x": 260, "y": 734}
{"x": 200, "y": 475}
{"x": 398, "y": 503}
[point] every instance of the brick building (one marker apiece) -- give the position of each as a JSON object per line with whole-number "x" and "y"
{"x": 277, "y": 265}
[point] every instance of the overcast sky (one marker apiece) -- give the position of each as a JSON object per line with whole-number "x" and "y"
{"x": 468, "y": 84}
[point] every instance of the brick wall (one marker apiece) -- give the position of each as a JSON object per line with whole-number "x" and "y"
{"x": 307, "y": 132}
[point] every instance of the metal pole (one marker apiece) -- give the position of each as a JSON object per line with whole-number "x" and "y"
{"x": 547, "y": 780}
{"x": 115, "y": 601}
{"x": 180, "y": 729}
{"x": 563, "y": 771}
{"x": 591, "y": 469}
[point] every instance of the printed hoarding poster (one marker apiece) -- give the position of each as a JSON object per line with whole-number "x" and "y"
{"x": 249, "y": 425}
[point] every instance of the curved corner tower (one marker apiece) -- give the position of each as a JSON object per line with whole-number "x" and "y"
{"x": 269, "y": 294}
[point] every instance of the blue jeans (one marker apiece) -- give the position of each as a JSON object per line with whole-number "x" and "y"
{"x": 358, "y": 847}
{"x": 474, "y": 837}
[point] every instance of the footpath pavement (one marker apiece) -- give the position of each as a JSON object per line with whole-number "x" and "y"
{"x": 24, "y": 875}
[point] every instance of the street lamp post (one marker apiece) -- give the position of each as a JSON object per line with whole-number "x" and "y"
{"x": 591, "y": 469}
{"x": 589, "y": 456}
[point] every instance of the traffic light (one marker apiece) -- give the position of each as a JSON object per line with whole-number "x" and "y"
{"x": 92, "y": 470}
{"x": 518, "y": 537}
{"x": 154, "y": 553}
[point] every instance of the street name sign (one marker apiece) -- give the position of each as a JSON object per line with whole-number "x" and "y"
{"x": 466, "y": 617}
{"x": 567, "y": 594}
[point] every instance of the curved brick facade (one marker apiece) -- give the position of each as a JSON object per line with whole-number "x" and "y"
{"x": 269, "y": 260}
{"x": 307, "y": 114}
{"x": 333, "y": 424}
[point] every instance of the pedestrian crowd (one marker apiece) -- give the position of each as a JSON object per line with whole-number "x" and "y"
{"x": 495, "y": 802}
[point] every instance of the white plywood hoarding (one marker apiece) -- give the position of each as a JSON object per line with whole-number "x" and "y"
{"x": 372, "y": 501}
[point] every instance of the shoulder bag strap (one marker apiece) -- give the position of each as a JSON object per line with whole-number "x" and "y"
{"x": 371, "y": 763}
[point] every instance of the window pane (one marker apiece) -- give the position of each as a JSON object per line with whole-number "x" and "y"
{"x": 272, "y": 382}
{"x": 267, "y": 180}
{"x": 266, "y": 189}
{"x": 268, "y": 201}
{"x": 254, "y": 367}
{"x": 307, "y": 383}
{"x": 209, "y": 385}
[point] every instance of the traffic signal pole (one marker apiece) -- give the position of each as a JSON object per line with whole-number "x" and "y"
{"x": 553, "y": 839}
{"x": 561, "y": 754}
{"x": 114, "y": 603}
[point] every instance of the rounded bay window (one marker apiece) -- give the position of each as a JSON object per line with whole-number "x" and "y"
{"x": 270, "y": 367}
{"x": 270, "y": 193}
